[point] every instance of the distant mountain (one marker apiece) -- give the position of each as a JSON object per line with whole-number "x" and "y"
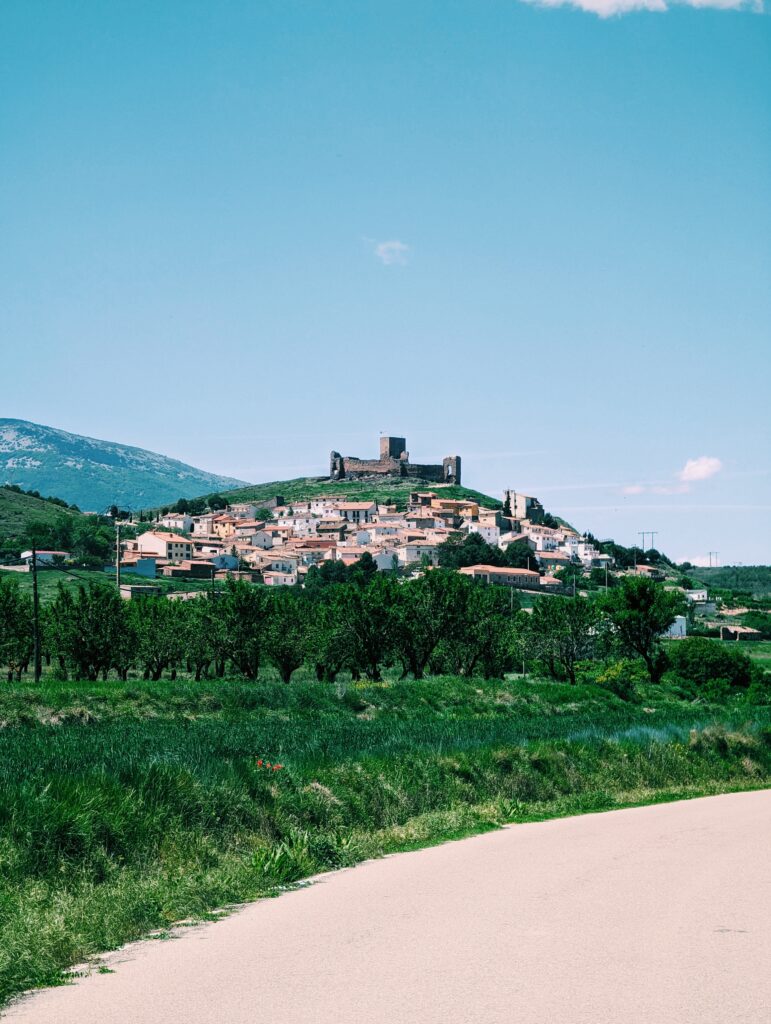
{"x": 96, "y": 474}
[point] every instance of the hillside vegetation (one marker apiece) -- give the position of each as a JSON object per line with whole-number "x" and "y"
{"x": 95, "y": 474}
{"x": 386, "y": 491}
{"x": 747, "y": 579}
{"x": 129, "y": 806}
{"x": 17, "y": 511}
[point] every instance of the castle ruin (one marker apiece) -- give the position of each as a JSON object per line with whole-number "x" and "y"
{"x": 394, "y": 461}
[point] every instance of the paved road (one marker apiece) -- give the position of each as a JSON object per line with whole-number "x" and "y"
{"x": 657, "y": 915}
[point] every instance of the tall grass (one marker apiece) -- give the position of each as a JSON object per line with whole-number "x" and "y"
{"x": 126, "y": 807}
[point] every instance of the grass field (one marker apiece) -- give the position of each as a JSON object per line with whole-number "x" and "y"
{"x": 49, "y": 580}
{"x": 129, "y": 806}
{"x": 17, "y": 511}
{"x": 392, "y": 491}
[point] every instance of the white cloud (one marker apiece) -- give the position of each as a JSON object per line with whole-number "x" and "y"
{"x": 700, "y": 469}
{"x": 392, "y": 252}
{"x": 608, "y": 8}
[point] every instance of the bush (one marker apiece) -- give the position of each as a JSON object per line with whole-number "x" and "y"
{"x": 703, "y": 662}
{"x": 623, "y": 677}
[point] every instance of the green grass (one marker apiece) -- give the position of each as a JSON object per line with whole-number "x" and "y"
{"x": 129, "y": 806}
{"x": 391, "y": 491}
{"x": 17, "y": 511}
{"x": 50, "y": 579}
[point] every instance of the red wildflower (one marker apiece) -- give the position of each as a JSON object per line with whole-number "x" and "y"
{"x": 259, "y": 763}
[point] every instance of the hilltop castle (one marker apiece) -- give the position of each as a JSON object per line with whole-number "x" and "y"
{"x": 394, "y": 461}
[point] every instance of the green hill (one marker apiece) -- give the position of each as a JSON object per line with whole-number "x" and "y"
{"x": 17, "y": 511}
{"x": 389, "y": 490}
{"x": 749, "y": 579}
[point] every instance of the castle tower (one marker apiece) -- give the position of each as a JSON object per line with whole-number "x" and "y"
{"x": 393, "y": 448}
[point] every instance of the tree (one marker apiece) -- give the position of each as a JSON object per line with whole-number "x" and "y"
{"x": 159, "y": 635}
{"x": 639, "y": 611}
{"x": 507, "y": 506}
{"x": 284, "y": 632}
{"x": 472, "y": 549}
{"x": 244, "y": 608}
{"x": 518, "y": 555}
{"x": 15, "y": 628}
{"x": 563, "y": 632}
{"x": 366, "y": 619}
{"x": 89, "y": 626}
{"x": 321, "y": 576}
{"x": 427, "y": 610}
{"x": 325, "y": 638}
{"x": 481, "y": 643}
{"x": 703, "y": 662}
{"x": 363, "y": 570}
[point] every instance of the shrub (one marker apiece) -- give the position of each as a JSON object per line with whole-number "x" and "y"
{"x": 622, "y": 678}
{"x": 703, "y": 662}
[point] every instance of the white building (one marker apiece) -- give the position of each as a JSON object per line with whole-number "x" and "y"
{"x": 177, "y": 521}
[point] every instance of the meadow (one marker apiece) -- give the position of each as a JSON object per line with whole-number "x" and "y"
{"x": 129, "y": 806}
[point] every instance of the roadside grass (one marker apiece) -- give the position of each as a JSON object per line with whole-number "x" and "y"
{"x": 130, "y": 806}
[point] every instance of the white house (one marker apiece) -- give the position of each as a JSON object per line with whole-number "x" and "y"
{"x": 491, "y": 534}
{"x": 356, "y": 511}
{"x": 44, "y": 558}
{"x": 271, "y": 578}
{"x": 678, "y": 629}
{"x": 177, "y": 521}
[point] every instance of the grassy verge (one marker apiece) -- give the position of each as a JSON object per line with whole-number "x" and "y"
{"x": 130, "y": 806}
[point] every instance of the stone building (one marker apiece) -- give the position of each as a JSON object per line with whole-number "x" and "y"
{"x": 394, "y": 461}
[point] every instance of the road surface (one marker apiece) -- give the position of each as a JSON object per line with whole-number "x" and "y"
{"x": 656, "y": 914}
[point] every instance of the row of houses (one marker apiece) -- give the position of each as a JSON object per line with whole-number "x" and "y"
{"x": 281, "y": 549}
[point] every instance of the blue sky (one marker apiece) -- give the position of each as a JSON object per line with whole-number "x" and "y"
{"x": 245, "y": 233}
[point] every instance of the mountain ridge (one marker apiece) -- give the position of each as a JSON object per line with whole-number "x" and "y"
{"x": 93, "y": 473}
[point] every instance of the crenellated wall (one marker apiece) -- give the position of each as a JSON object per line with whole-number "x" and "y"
{"x": 394, "y": 461}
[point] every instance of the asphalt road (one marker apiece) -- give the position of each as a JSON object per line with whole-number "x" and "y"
{"x": 657, "y": 914}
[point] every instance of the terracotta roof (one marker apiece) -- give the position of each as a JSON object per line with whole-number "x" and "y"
{"x": 497, "y": 570}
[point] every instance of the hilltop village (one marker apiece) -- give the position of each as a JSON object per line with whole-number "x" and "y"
{"x": 276, "y": 543}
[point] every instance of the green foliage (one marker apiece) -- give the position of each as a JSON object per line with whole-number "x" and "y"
{"x": 127, "y": 807}
{"x": 561, "y": 632}
{"x": 753, "y": 580}
{"x": 389, "y": 490}
{"x": 623, "y": 678}
{"x": 473, "y": 549}
{"x": 704, "y": 663}
{"x": 15, "y": 629}
{"x": 639, "y": 612}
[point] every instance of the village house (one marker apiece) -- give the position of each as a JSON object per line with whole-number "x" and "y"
{"x": 177, "y": 521}
{"x": 166, "y": 545}
{"x": 44, "y": 559}
{"x": 273, "y": 578}
{"x": 503, "y": 576}
{"x": 490, "y": 534}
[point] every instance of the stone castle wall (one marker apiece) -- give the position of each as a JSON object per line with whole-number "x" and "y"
{"x": 393, "y": 461}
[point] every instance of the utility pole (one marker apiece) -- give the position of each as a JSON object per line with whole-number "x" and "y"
{"x": 653, "y": 534}
{"x": 715, "y": 553}
{"x": 606, "y": 577}
{"x": 35, "y": 618}
{"x": 117, "y": 554}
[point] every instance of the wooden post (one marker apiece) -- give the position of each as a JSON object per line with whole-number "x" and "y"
{"x": 36, "y": 618}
